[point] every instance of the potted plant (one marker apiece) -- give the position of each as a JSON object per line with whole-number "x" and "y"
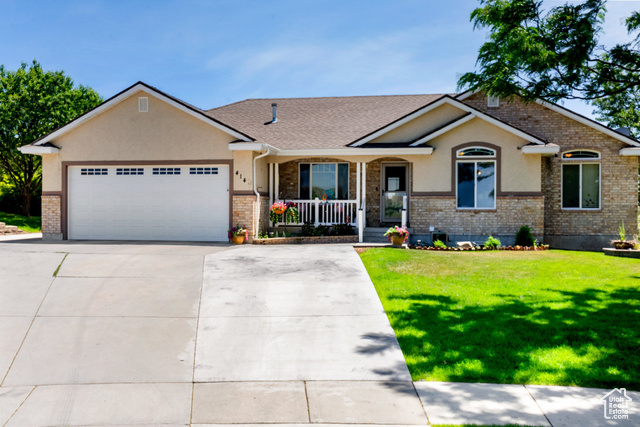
{"x": 397, "y": 235}
{"x": 286, "y": 212}
{"x": 237, "y": 235}
{"x": 622, "y": 243}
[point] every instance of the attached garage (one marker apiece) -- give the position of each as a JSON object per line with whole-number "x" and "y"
{"x": 148, "y": 202}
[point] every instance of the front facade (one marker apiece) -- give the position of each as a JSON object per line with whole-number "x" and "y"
{"x": 146, "y": 166}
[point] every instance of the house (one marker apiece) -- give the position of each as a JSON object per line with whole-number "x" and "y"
{"x": 146, "y": 166}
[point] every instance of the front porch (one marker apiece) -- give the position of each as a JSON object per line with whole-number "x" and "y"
{"x": 331, "y": 191}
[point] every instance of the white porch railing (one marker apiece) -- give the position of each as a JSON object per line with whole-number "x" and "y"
{"x": 328, "y": 212}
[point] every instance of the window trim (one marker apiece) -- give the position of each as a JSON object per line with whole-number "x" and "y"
{"x": 458, "y": 156}
{"x": 583, "y": 159}
{"x": 336, "y": 180}
{"x": 475, "y": 184}
{"x": 580, "y": 187}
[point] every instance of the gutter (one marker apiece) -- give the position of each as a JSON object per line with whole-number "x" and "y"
{"x": 255, "y": 185}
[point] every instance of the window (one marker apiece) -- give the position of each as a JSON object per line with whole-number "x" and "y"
{"x": 166, "y": 171}
{"x": 129, "y": 171}
{"x": 93, "y": 171}
{"x": 330, "y": 180}
{"x": 476, "y": 152}
{"x": 580, "y": 181}
{"x": 203, "y": 171}
{"x": 476, "y": 185}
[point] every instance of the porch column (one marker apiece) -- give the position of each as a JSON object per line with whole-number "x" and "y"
{"x": 364, "y": 194}
{"x": 358, "y": 187}
{"x": 277, "y": 182}
{"x": 270, "y": 184}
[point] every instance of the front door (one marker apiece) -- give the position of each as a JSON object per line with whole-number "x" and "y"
{"x": 394, "y": 188}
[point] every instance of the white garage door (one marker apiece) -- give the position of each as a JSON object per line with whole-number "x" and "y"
{"x": 183, "y": 202}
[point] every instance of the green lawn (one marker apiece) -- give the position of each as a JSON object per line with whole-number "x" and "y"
{"x": 553, "y": 317}
{"x": 31, "y": 225}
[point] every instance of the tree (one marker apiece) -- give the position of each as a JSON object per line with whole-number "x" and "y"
{"x": 553, "y": 55}
{"x": 32, "y": 104}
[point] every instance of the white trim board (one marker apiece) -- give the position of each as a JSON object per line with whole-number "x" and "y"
{"x": 126, "y": 94}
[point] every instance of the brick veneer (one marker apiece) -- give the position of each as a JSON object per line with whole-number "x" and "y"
{"x": 51, "y": 217}
{"x": 619, "y": 175}
{"x": 510, "y": 213}
{"x": 243, "y": 210}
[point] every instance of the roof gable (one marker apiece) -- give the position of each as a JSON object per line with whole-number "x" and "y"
{"x": 467, "y": 113}
{"x": 572, "y": 115}
{"x": 130, "y": 91}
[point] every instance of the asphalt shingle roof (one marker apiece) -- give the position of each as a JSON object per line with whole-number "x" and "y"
{"x": 308, "y": 123}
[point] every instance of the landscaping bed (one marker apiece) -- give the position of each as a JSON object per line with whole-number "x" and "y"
{"x": 482, "y": 248}
{"x": 24, "y": 224}
{"x": 305, "y": 240}
{"x": 540, "y": 317}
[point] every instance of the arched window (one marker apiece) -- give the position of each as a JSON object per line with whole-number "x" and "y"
{"x": 580, "y": 154}
{"x": 581, "y": 180}
{"x": 476, "y": 178}
{"x": 476, "y": 152}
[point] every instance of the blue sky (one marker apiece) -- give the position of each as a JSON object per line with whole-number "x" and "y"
{"x": 210, "y": 53}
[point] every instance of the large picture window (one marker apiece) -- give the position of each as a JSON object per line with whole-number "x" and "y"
{"x": 324, "y": 180}
{"x": 476, "y": 179}
{"x": 580, "y": 181}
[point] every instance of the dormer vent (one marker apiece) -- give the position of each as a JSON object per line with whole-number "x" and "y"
{"x": 143, "y": 104}
{"x": 274, "y": 111}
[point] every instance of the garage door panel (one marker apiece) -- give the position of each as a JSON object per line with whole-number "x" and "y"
{"x": 154, "y": 203}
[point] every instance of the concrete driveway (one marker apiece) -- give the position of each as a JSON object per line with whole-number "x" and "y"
{"x": 167, "y": 334}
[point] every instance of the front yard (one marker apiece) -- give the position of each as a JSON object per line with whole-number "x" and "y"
{"x": 553, "y": 317}
{"x": 28, "y": 224}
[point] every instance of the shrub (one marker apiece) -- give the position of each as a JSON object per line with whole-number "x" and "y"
{"x": 308, "y": 229}
{"x": 524, "y": 237}
{"x": 492, "y": 243}
{"x": 343, "y": 230}
{"x": 439, "y": 244}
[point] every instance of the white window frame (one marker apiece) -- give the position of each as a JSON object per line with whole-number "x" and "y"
{"x": 475, "y": 161}
{"x": 580, "y": 163}
{"x": 311, "y": 177}
{"x": 492, "y": 155}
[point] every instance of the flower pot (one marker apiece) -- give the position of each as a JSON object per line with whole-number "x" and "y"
{"x": 621, "y": 244}
{"x": 397, "y": 240}
{"x": 278, "y": 211}
{"x": 237, "y": 240}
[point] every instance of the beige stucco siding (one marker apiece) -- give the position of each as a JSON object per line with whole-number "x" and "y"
{"x": 124, "y": 134}
{"x": 519, "y": 172}
{"x": 420, "y": 126}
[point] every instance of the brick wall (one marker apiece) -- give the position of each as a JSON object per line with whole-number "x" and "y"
{"x": 510, "y": 213}
{"x": 243, "y": 210}
{"x": 51, "y": 217}
{"x": 619, "y": 175}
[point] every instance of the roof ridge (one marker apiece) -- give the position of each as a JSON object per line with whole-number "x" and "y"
{"x": 332, "y": 97}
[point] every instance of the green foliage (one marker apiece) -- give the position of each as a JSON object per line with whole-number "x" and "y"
{"x": 543, "y": 317}
{"x": 308, "y": 229}
{"x": 622, "y": 231}
{"x": 492, "y": 243}
{"x": 32, "y": 104}
{"x": 343, "y": 230}
{"x": 551, "y": 55}
{"x": 30, "y": 224}
{"x": 524, "y": 237}
{"x": 439, "y": 244}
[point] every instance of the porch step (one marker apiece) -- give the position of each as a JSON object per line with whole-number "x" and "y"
{"x": 376, "y": 234}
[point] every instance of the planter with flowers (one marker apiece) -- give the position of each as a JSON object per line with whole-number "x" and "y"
{"x": 397, "y": 235}
{"x": 286, "y": 212}
{"x": 238, "y": 235}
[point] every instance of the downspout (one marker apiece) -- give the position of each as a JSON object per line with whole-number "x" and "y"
{"x": 255, "y": 190}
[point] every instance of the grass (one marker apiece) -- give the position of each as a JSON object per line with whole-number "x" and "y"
{"x": 552, "y": 317}
{"x": 28, "y": 224}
